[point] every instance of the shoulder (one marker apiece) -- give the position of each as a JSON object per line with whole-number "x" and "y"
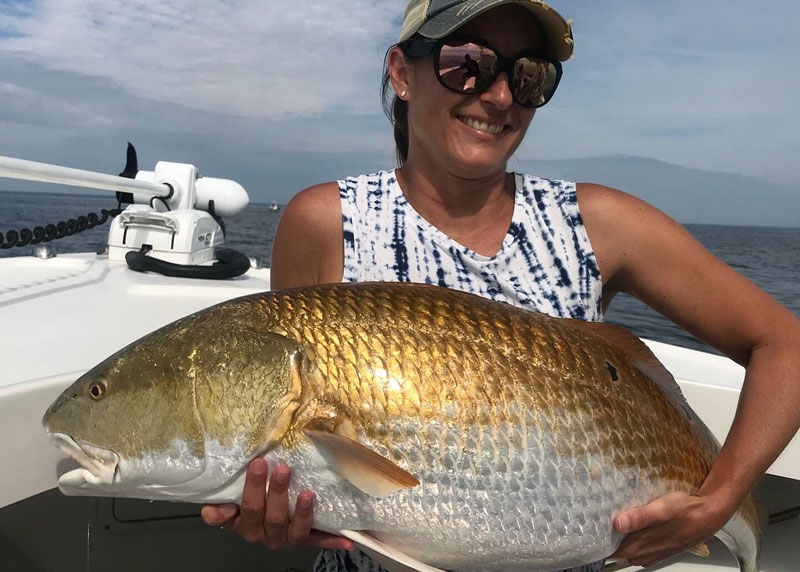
{"x": 606, "y": 210}
{"x": 308, "y": 243}
{"x": 312, "y": 216}
{"x": 598, "y": 201}
{"x": 315, "y": 201}
{"x": 625, "y": 230}
{"x": 645, "y": 253}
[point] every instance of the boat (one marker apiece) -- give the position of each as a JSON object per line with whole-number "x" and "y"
{"x": 62, "y": 314}
{"x": 274, "y": 207}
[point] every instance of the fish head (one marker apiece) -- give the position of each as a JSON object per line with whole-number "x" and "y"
{"x": 131, "y": 420}
{"x": 178, "y": 414}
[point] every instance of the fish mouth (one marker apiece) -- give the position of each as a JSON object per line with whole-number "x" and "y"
{"x": 98, "y": 465}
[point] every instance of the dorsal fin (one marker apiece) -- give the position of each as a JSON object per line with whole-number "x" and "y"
{"x": 364, "y": 468}
{"x": 643, "y": 359}
{"x": 640, "y": 355}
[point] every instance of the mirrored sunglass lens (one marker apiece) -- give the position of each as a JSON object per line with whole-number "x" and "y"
{"x": 466, "y": 67}
{"x": 534, "y": 81}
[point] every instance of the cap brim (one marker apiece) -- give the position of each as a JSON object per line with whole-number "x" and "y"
{"x": 557, "y": 31}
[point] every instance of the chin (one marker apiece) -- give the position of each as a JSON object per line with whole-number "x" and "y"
{"x": 485, "y": 159}
{"x": 483, "y": 164}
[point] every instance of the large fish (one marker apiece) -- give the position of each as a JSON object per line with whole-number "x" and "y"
{"x": 436, "y": 427}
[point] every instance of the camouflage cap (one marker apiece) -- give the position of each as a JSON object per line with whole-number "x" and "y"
{"x": 439, "y": 18}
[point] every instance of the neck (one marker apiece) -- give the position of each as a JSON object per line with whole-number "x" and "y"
{"x": 431, "y": 187}
{"x": 474, "y": 211}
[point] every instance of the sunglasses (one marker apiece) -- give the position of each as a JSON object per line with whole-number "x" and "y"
{"x": 467, "y": 66}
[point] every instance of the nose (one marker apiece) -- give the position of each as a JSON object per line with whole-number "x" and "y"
{"x": 499, "y": 93}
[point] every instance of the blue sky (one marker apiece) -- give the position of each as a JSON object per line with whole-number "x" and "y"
{"x": 283, "y": 94}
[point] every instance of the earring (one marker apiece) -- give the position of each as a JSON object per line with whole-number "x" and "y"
{"x": 403, "y": 94}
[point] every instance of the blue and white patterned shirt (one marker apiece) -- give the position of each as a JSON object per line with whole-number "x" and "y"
{"x": 545, "y": 263}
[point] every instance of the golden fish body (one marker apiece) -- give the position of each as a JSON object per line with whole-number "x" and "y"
{"x": 466, "y": 434}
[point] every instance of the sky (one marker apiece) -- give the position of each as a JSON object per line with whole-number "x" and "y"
{"x": 282, "y": 94}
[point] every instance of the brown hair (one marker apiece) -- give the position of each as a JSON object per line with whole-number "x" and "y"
{"x": 396, "y": 110}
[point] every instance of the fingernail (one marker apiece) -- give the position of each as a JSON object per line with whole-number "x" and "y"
{"x": 227, "y": 512}
{"x": 623, "y": 523}
{"x": 306, "y": 501}
{"x": 281, "y": 476}
{"x": 258, "y": 467}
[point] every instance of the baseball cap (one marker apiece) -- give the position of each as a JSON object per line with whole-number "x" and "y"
{"x": 439, "y": 18}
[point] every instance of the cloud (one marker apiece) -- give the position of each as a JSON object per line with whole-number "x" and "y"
{"x": 706, "y": 85}
{"x": 250, "y": 58}
{"x": 281, "y": 90}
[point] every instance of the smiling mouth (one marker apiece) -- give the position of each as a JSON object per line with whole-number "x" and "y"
{"x": 482, "y": 126}
{"x": 98, "y": 466}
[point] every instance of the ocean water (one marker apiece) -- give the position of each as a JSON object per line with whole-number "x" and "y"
{"x": 770, "y": 257}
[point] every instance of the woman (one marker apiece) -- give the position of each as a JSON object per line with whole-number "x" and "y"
{"x": 452, "y": 215}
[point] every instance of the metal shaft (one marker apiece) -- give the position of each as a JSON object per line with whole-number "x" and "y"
{"x": 33, "y": 171}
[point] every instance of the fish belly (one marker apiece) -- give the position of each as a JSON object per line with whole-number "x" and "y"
{"x": 502, "y": 497}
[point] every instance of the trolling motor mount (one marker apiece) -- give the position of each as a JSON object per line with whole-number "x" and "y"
{"x": 182, "y": 227}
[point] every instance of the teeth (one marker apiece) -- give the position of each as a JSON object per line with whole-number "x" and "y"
{"x": 482, "y": 126}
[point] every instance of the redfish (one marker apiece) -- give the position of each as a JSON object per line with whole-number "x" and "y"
{"x": 437, "y": 428}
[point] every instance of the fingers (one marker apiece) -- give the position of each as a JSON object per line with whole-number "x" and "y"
{"x": 652, "y": 514}
{"x": 324, "y": 540}
{"x": 218, "y": 514}
{"x": 264, "y": 512}
{"x": 250, "y": 523}
{"x": 300, "y": 531}
{"x": 276, "y": 518}
{"x": 635, "y": 551}
{"x": 666, "y": 526}
{"x": 300, "y": 527}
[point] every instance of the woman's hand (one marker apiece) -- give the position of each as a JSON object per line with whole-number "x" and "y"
{"x": 668, "y": 525}
{"x": 264, "y": 514}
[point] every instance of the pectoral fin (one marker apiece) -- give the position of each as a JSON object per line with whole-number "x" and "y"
{"x": 700, "y": 550}
{"x": 390, "y": 558}
{"x": 363, "y": 467}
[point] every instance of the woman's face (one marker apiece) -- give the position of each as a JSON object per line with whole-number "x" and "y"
{"x": 471, "y": 135}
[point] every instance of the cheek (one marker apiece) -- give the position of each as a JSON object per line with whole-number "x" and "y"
{"x": 525, "y": 117}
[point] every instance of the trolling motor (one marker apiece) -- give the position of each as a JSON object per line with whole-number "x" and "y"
{"x": 180, "y": 229}
{"x": 173, "y": 225}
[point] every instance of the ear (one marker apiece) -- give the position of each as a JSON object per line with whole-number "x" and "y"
{"x": 399, "y": 72}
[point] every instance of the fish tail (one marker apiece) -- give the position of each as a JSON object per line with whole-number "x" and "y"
{"x": 742, "y": 536}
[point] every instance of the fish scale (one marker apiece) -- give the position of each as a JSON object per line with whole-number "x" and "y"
{"x": 526, "y": 433}
{"x": 567, "y": 401}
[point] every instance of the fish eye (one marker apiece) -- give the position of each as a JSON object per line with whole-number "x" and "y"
{"x": 97, "y": 390}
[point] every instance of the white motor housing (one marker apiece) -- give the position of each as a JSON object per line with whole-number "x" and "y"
{"x": 229, "y": 197}
{"x": 184, "y": 236}
{"x": 170, "y": 228}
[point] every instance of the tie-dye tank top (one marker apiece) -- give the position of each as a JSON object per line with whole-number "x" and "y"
{"x": 545, "y": 263}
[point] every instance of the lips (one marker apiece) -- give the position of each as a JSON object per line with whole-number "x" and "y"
{"x": 483, "y": 126}
{"x": 98, "y": 466}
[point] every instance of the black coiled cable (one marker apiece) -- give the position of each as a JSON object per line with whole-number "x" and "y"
{"x": 55, "y": 231}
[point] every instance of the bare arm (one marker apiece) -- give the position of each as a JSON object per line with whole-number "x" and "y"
{"x": 644, "y": 253}
{"x": 308, "y": 247}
